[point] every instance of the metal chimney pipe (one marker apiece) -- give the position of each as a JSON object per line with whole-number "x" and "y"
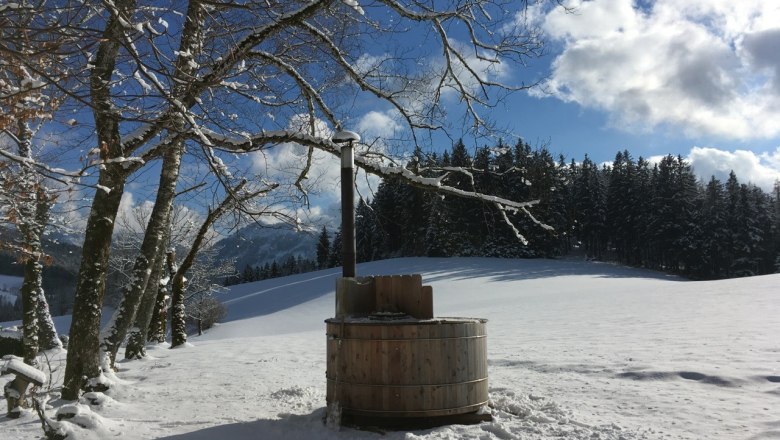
{"x": 348, "y": 244}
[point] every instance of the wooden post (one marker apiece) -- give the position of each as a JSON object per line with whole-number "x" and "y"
{"x": 15, "y": 390}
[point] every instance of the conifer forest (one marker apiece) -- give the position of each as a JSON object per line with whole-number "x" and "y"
{"x": 652, "y": 215}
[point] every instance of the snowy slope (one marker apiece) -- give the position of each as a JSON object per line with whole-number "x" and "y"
{"x": 576, "y": 350}
{"x": 258, "y": 244}
{"x": 9, "y": 288}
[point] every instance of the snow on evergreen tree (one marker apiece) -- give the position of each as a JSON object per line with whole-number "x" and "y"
{"x": 749, "y": 235}
{"x": 714, "y": 230}
{"x": 590, "y": 205}
{"x": 776, "y": 225}
{"x": 620, "y": 204}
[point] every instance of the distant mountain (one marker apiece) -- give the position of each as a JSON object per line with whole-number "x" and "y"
{"x": 259, "y": 244}
{"x": 9, "y": 288}
{"x": 59, "y": 277}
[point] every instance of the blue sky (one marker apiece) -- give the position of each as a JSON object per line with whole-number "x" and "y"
{"x": 699, "y": 78}
{"x": 696, "y": 78}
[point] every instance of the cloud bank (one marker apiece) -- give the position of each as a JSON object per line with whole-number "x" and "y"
{"x": 761, "y": 170}
{"x": 704, "y": 67}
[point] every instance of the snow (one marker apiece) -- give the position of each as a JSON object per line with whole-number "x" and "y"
{"x": 17, "y": 365}
{"x": 354, "y": 5}
{"x": 576, "y": 350}
{"x": 9, "y": 288}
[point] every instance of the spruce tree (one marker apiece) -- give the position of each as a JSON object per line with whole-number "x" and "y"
{"x": 590, "y": 209}
{"x": 323, "y": 249}
{"x": 334, "y": 257}
{"x": 714, "y": 232}
{"x": 365, "y": 233}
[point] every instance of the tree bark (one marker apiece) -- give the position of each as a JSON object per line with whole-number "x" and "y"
{"x": 33, "y": 209}
{"x": 83, "y": 361}
{"x": 159, "y": 322}
{"x": 32, "y": 280}
{"x": 178, "y": 316}
{"x": 151, "y": 248}
{"x": 136, "y": 342}
{"x": 47, "y": 332}
{"x": 190, "y": 47}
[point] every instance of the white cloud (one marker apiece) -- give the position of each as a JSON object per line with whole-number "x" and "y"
{"x": 376, "y": 124}
{"x": 132, "y": 214}
{"x": 761, "y": 170}
{"x": 706, "y": 67}
{"x": 284, "y": 163}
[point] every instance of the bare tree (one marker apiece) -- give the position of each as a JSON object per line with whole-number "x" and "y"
{"x": 26, "y": 201}
{"x": 237, "y": 75}
{"x": 202, "y": 286}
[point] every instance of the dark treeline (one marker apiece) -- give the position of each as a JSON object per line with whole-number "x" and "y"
{"x": 58, "y": 285}
{"x": 656, "y": 216}
{"x": 290, "y": 266}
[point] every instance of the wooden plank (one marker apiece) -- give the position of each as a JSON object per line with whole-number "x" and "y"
{"x": 354, "y": 296}
{"x": 408, "y": 294}
{"x": 383, "y": 294}
{"x": 426, "y": 303}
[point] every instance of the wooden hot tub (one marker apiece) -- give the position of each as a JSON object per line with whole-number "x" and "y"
{"x": 406, "y": 368}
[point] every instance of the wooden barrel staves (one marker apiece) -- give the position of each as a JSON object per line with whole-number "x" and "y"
{"x": 407, "y": 368}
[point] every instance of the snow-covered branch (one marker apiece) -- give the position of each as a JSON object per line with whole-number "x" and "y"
{"x": 365, "y": 162}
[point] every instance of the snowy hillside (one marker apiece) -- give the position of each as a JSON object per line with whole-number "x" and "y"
{"x": 9, "y": 288}
{"x": 256, "y": 245}
{"x": 575, "y": 350}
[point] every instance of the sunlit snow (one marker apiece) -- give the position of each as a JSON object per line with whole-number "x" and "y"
{"x": 576, "y": 350}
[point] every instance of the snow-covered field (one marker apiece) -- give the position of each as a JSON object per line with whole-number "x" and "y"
{"x": 9, "y": 288}
{"x": 575, "y": 350}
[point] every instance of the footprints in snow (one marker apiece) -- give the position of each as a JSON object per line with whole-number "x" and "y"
{"x": 666, "y": 375}
{"x": 691, "y": 375}
{"x": 633, "y": 375}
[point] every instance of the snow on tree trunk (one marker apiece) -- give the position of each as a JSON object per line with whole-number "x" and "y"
{"x": 178, "y": 316}
{"x": 83, "y": 361}
{"x": 32, "y": 270}
{"x": 136, "y": 341}
{"x": 153, "y": 244}
{"x": 32, "y": 211}
{"x": 158, "y": 325}
{"x": 47, "y": 333}
{"x": 159, "y": 322}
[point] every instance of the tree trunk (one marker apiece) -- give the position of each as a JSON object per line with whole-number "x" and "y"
{"x": 27, "y": 207}
{"x": 83, "y": 362}
{"x": 178, "y": 316}
{"x": 159, "y": 323}
{"x": 151, "y": 248}
{"x": 47, "y": 333}
{"x": 136, "y": 342}
{"x": 32, "y": 272}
